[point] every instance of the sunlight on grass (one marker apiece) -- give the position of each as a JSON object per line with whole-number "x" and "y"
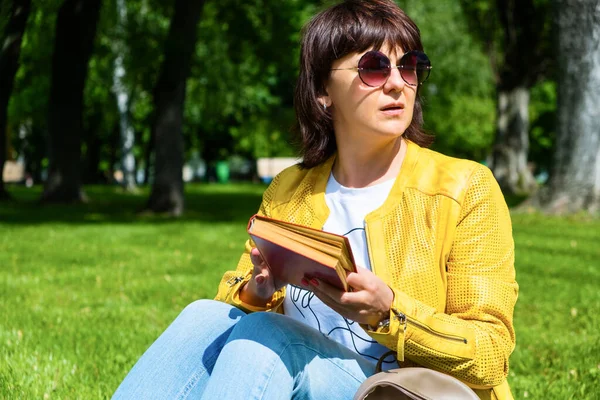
{"x": 85, "y": 289}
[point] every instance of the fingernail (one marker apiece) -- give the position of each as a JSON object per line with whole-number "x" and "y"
{"x": 260, "y": 279}
{"x": 304, "y": 282}
{"x": 314, "y": 282}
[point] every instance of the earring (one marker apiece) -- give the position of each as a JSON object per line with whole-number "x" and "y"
{"x": 324, "y": 106}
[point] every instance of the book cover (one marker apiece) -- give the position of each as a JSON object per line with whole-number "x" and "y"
{"x": 293, "y": 252}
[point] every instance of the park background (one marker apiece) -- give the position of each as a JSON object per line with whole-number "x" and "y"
{"x": 103, "y": 104}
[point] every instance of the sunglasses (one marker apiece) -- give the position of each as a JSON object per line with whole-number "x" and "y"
{"x": 374, "y": 68}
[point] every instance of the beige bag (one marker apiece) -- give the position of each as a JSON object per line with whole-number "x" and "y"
{"x": 413, "y": 384}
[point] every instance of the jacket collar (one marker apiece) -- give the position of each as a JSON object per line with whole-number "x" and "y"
{"x": 320, "y": 175}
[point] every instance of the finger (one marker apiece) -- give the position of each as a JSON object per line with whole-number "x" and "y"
{"x": 263, "y": 282}
{"x": 261, "y": 273}
{"x": 256, "y": 257}
{"x": 348, "y": 311}
{"x": 363, "y": 279}
{"x": 349, "y": 300}
{"x": 354, "y": 280}
{"x": 326, "y": 289}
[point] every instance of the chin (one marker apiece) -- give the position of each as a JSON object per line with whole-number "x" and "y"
{"x": 390, "y": 135}
{"x": 394, "y": 130}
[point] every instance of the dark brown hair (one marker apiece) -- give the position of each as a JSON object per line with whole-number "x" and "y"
{"x": 352, "y": 26}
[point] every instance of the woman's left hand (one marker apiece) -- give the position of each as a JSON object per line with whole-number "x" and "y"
{"x": 368, "y": 303}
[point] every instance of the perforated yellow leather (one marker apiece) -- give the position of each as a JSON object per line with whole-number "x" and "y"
{"x": 443, "y": 243}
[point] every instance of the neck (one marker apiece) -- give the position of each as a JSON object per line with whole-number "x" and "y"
{"x": 360, "y": 164}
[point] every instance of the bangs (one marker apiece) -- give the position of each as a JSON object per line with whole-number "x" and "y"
{"x": 354, "y": 26}
{"x": 365, "y": 25}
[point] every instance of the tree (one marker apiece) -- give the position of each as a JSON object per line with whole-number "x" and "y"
{"x": 169, "y": 99}
{"x": 515, "y": 34}
{"x": 75, "y": 33}
{"x": 28, "y": 106}
{"x": 9, "y": 63}
{"x": 123, "y": 100}
{"x": 575, "y": 180}
{"x": 458, "y": 97}
{"x": 238, "y": 92}
{"x": 244, "y": 106}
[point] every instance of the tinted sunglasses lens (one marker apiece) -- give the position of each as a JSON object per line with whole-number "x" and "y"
{"x": 415, "y": 67}
{"x": 374, "y": 68}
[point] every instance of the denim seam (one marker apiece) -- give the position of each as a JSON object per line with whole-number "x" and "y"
{"x": 183, "y": 393}
{"x": 191, "y": 383}
{"x": 262, "y": 395}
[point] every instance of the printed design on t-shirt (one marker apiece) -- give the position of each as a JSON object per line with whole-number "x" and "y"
{"x": 301, "y": 299}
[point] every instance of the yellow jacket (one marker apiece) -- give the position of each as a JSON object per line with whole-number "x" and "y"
{"x": 443, "y": 242}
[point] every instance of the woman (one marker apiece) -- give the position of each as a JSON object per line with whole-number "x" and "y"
{"x": 431, "y": 234}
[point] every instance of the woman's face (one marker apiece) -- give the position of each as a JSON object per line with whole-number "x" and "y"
{"x": 362, "y": 112}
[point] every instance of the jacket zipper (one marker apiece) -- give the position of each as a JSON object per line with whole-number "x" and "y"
{"x": 234, "y": 280}
{"x": 406, "y": 320}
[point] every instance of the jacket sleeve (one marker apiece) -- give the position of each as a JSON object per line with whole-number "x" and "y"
{"x": 233, "y": 281}
{"x": 474, "y": 338}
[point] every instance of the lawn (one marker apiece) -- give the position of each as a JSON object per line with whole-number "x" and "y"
{"x": 84, "y": 290}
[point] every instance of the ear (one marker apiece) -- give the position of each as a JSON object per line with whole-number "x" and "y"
{"x": 325, "y": 100}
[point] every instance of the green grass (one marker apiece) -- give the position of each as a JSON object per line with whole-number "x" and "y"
{"x": 84, "y": 290}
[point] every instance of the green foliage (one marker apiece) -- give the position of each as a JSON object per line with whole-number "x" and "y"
{"x": 240, "y": 89}
{"x": 100, "y": 112}
{"x": 542, "y": 132}
{"x": 459, "y": 95}
{"x": 144, "y": 36}
{"x": 85, "y": 289}
{"x": 517, "y": 36}
{"x": 29, "y": 101}
{"x": 241, "y": 85}
{"x": 482, "y": 19}
{"x": 28, "y": 106}
{"x": 4, "y": 14}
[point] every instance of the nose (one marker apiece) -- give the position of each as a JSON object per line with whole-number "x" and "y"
{"x": 395, "y": 81}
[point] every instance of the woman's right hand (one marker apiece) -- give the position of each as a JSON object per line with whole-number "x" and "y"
{"x": 261, "y": 287}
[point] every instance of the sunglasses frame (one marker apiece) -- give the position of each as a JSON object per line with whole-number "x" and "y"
{"x": 400, "y": 67}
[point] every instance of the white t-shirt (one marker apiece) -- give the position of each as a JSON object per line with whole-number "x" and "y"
{"x": 348, "y": 208}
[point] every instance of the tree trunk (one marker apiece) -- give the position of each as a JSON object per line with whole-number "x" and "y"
{"x": 9, "y": 63}
{"x": 169, "y": 97}
{"x": 511, "y": 147}
{"x": 113, "y": 146}
{"x": 520, "y": 68}
{"x": 93, "y": 144}
{"x": 74, "y": 42}
{"x": 34, "y": 149}
{"x": 123, "y": 101}
{"x": 148, "y": 161}
{"x": 575, "y": 180}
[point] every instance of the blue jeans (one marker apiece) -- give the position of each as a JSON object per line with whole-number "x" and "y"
{"x": 215, "y": 351}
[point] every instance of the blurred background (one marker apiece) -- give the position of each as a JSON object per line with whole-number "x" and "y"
{"x": 117, "y": 115}
{"x": 133, "y": 92}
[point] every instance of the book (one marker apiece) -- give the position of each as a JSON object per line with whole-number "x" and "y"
{"x": 293, "y": 252}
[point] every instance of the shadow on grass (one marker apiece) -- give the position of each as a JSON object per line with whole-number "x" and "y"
{"x": 234, "y": 202}
{"x": 109, "y": 204}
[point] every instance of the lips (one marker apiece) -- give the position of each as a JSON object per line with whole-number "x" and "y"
{"x": 393, "y": 107}
{"x": 393, "y": 110}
